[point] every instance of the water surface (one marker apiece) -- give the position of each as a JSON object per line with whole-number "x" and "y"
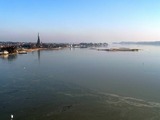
{"x": 62, "y": 84}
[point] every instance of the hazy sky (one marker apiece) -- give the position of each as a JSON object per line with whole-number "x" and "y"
{"x": 80, "y": 20}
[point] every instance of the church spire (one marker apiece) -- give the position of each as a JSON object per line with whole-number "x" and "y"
{"x": 38, "y": 41}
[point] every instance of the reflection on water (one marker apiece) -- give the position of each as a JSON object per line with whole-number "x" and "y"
{"x": 9, "y": 57}
{"x": 39, "y": 55}
{"x": 4, "y": 56}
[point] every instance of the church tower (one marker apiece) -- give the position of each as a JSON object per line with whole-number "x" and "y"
{"x": 38, "y": 42}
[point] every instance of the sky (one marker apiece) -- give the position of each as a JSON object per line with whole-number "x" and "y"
{"x": 75, "y": 21}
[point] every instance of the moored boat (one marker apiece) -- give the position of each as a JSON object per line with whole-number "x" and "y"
{"x": 22, "y": 52}
{"x": 4, "y": 52}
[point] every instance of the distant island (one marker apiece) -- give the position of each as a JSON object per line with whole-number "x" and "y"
{"x": 119, "y": 49}
{"x": 140, "y": 43}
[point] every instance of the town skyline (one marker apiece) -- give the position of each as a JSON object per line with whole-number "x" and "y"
{"x": 70, "y": 21}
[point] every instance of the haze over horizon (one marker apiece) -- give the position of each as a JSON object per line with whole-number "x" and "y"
{"x": 80, "y": 20}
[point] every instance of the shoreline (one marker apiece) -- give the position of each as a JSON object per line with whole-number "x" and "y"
{"x": 30, "y": 50}
{"x": 36, "y": 49}
{"x": 25, "y": 51}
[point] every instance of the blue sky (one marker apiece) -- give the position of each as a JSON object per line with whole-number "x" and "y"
{"x": 80, "y": 20}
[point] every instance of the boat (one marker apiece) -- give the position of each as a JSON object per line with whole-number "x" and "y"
{"x": 22, "y": 52}
{"x": 4, "y": 52}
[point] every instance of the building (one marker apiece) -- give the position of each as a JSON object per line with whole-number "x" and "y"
{"x": 38, "y": 41}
